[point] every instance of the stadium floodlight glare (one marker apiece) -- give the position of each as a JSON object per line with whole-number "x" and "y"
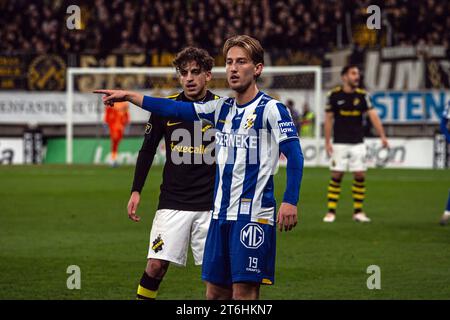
{"x": 314, "y": 85}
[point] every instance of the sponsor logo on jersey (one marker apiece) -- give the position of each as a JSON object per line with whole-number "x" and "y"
{"x": 350, "y": 113}
{"x": 201, "y": 149}
{"x": 236, "y": 140}
{"x": 286, "y": 127}
{"x": 252, "y": 236}
{"x": 170, "y": 124}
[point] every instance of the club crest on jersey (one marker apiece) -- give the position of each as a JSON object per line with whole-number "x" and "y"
{"x": 356, "y": 101}
{"x": 148, "y": 128}
{"x": 252, "y": 236}
{"x": 286, "y": 127}
{"x": 250, "y": 121}
{"x": 157, "y": 244}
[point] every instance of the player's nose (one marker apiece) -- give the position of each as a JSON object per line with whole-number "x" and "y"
{"x": 232, "y": 67}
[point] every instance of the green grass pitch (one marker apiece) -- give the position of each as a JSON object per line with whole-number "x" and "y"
{"x": 55, "y": 216}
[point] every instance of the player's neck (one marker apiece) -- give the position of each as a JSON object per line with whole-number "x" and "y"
{"x": 348, "y": 88}
{"x": 198, "y": 97}
{"x": 247, "y": 96}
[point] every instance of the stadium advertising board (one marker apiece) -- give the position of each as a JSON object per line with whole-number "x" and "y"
{"x": 11, "y": 151}
{"x": 97, "y": 151}
{"x": 50, "y": 107}
{"x": 410, "y": 106}
{"x": 407, "y": 68}
{"x": 403, "y": 153}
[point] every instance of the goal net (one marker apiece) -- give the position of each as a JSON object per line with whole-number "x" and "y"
{"x": 299, "y": 84}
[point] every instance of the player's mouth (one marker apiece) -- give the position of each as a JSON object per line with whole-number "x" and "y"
{"x": 234, "y": 78}
{"x": 191, "y": 86}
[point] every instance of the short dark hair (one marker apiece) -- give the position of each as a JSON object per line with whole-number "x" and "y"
{"x": 347, "y": 68}
{"x": 201, "y": 56}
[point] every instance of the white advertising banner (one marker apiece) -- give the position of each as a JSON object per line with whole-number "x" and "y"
{"x": 11, "y": 151}
{"x": 403, "y": 153}
{"x": 50, "y": 107}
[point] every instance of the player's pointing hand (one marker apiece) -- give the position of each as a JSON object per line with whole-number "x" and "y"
{"x": 111, "y": 96}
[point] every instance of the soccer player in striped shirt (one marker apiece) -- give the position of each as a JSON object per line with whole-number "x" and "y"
{"x": 252, "y": 129}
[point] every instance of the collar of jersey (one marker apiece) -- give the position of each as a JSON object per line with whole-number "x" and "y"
{"x": 182, "y": 97}
{"x": 259, "y": 94}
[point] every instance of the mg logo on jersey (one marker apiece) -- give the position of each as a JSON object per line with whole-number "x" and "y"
{"x": 252, "y": 236}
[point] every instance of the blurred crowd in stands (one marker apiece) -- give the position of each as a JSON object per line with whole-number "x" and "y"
{"x": 162, "y": 25}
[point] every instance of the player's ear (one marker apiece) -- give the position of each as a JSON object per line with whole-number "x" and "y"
{"x": 208, "y": 75}
{"x": 258, "y": 69}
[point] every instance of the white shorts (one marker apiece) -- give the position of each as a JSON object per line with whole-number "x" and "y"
{"x": 348, "y": 157}
{"x": 171, "y": 232}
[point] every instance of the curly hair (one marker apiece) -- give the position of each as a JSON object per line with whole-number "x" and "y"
{"x": 201, "y": 56}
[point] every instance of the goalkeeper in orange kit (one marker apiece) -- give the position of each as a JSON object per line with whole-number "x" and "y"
{"x": 117, "y": 119}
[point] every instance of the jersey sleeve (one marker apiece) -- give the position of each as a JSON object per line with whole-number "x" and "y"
{"x": 367, "y": 101}
{"x": 154, "y": 131}
{"x": 329, "y": 106}
{"x": 207, "y": 110}
{"x": 279, "y": 121}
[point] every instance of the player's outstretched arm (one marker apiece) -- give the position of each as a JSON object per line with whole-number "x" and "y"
{"x": 160, "y": 106}
{"x": 287, "y": 214}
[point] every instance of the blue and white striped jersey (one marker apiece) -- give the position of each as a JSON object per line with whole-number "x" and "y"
{"x": 247, "y": 151}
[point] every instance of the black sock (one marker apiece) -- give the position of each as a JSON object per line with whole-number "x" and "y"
{"x": 148, "y": 287}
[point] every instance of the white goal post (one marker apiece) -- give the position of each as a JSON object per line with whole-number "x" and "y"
{"x": 164, "y": 71}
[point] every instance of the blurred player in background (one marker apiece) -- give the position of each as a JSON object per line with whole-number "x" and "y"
{"x": 444, "y": 129}
{"x": 307, "y": 122}
{"x": 117, "y": 118}
{"x": 345, "y": 107}
{"x": 186, "y": 197}
{"x": 294, "y": 114}
{"x": 241, "y": 243}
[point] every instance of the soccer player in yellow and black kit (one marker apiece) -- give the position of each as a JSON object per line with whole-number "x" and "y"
{"x": 187, "y": 189}
{"x": 345, "y": 107}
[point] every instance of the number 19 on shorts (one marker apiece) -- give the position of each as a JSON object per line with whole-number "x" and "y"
{"x": 253, "y": 262}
